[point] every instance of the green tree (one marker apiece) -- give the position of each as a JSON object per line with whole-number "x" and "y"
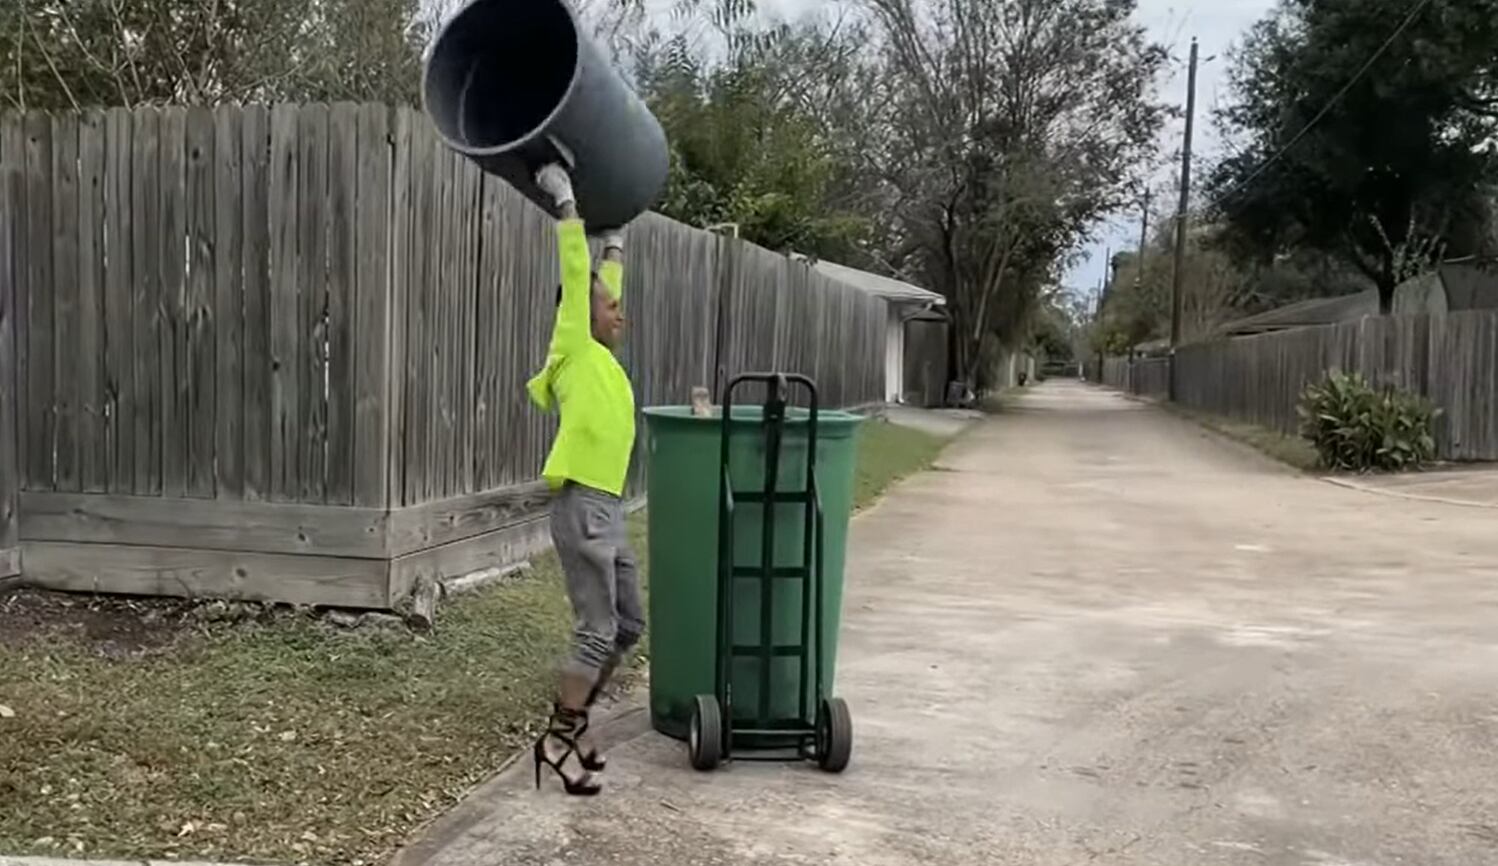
{"x": 1399, "y": 169}
{"x": 760, "y": 137}
{"x": 1138, "y": 300}
{"x": 80, "y": 53}
{"x": 1059, "y": 319}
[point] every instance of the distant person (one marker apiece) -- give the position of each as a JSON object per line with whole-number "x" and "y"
{"x": 589, "y": 460}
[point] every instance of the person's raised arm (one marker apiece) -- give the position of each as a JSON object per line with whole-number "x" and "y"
{"x": 611, "y": 271}
{"x": 573, "y": 326}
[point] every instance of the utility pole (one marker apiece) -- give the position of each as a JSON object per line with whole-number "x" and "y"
{"x": 1144, "y": 235}
{"x": 1105, "y": 282}
{"x": 1181, "y": 213}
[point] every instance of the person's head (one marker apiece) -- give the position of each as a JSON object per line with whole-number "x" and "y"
{"x": 607, "y": 314}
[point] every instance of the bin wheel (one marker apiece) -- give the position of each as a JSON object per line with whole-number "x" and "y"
{"x": 834, "y": 735}
{"x": 705, "y": 734}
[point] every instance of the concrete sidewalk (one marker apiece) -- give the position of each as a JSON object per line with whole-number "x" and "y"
{"x": 1474, "y": 487}
{"x": 945, "y": 423}
{"x": 1100, "y": 635}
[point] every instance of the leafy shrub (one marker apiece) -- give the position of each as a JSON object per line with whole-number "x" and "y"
{"x": 1359, "y": 428}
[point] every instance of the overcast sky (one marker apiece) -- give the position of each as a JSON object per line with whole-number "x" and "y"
{"x": 1218, "y": 25}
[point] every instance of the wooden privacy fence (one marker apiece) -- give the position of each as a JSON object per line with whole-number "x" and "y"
{"x": 1142, "y": 377}
{"x": 1115, "y": 373}
{"x": 280, "y": 352}
{"x": 1452, "y": 360}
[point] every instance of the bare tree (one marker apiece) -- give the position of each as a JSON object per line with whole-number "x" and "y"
{"x": 1013, "y": 125}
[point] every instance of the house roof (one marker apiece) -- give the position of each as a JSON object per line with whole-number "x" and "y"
{"x": 1471, "y": 284}
{"x": 1302, "y": 314}
{"x": 888, "y": 288}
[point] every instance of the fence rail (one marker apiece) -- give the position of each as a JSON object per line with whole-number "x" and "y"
{"x": 1452, "y": 360}
{"x": 249, "y": 312}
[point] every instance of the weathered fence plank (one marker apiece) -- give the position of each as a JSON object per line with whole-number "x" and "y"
{"x": 343, "y": 181}
{"x": 228, "y": 417}
{"x": 90, "y": 350}
{"x": 173, "y": 252}
{"x": 258, "y": 359}
{"x": 283, "y": 313}
{"x": 197, "y": 364}
{"x": 490, "y": 344}
{"x": 447, "y": 218}
{"x": 145, "y": 306}
{"x": 66, "y": 365}
{"x": 537, "y": 275}
{"x": 119, "y": 335}
{"x": 418, "y": 287}
{"x": 37, "y": 371}
{"x": 372, "y": 298}
{"x": 156, "y": 571}
{"x": 12, "y": 166}
{"x": 400, "y": 264}
{"x": 311, "y": 323}
{"x": 466, "y": 336}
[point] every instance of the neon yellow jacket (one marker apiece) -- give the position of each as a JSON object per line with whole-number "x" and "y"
{"x": 583, "y": 380}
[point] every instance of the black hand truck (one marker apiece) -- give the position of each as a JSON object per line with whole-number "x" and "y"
{"x": 715, "y": 735}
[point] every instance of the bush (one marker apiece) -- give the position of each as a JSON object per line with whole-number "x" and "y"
{"x": 1359, "y": 428}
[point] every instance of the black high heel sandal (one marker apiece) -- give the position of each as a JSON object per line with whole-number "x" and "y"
{"x": 566, "y": 726}
{"x": 593, "y": 760}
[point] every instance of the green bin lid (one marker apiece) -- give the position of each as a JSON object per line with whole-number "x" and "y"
{"x": 831, "y": 423}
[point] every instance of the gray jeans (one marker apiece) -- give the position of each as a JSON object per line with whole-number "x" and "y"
{"x": 603, "y": 579}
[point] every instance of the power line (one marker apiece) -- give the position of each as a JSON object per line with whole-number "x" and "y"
{"x": 1267, "y": 164}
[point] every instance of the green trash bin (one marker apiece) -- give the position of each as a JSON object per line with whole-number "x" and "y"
{"x": 683, "y": 472}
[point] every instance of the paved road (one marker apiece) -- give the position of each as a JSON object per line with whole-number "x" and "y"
{"x": 1100, "y": 636}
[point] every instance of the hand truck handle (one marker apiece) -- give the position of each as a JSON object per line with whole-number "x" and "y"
{"x": 777, "y": 394}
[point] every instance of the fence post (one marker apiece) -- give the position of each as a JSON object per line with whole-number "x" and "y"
{"x": 10, "y": 561}
{"x": 12, "y": 178}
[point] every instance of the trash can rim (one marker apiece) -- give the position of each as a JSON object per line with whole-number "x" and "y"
{"x": 536, "y": 131}
{"x": 754, "y": 412}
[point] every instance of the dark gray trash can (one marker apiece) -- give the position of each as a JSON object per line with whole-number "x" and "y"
{"x": 516, "y": 84}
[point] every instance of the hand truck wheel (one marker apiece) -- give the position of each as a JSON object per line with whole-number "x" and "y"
{"x": 834, "y": 735}
{"x": 705, "y": 734}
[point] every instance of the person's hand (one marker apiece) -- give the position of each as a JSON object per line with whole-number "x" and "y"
{"x": 613, "y": 239}
{"x": 555, "y": 182}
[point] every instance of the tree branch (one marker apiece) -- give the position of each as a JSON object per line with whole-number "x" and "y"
{"x": 112, "y": 70}
{"x": 56, "y": 73}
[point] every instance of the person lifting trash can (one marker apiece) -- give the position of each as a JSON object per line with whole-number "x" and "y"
{"x": 748, "y": 511}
